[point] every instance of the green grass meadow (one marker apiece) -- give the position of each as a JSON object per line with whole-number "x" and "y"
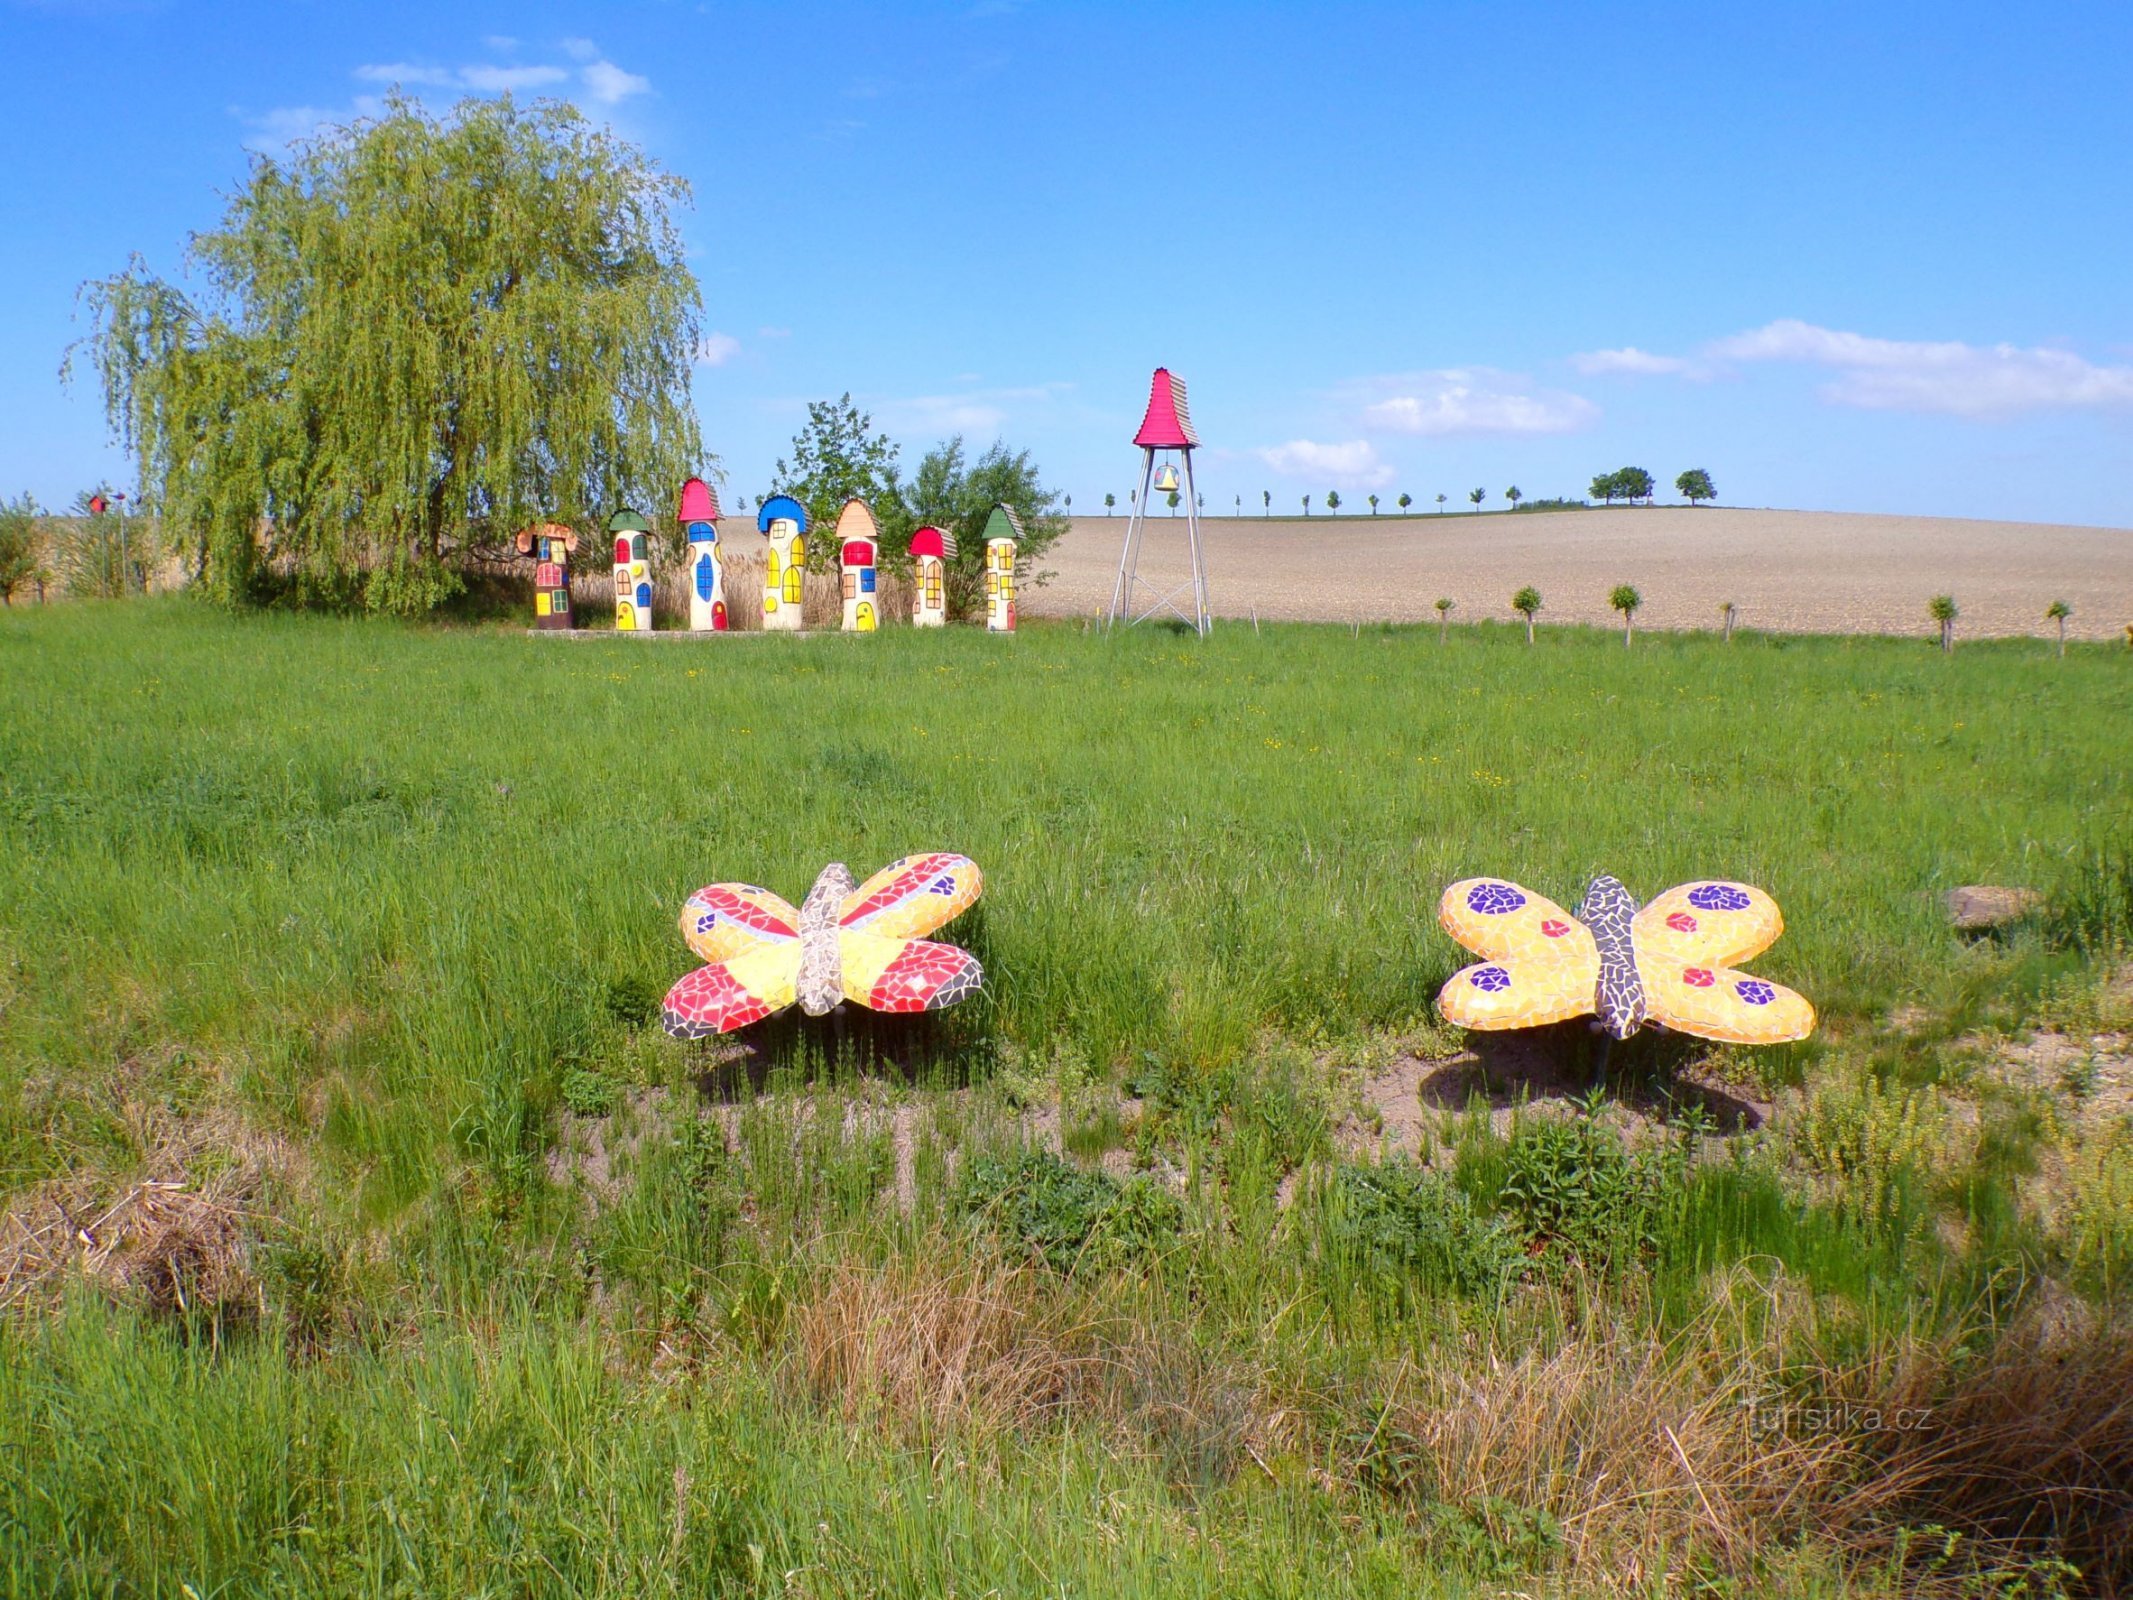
{"x": 362, "y": 928}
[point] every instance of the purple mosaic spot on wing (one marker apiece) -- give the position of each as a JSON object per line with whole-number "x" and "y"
{"x": 1718, "y": 897}
{"x": 706, "y": 922}
{"x": 1493, "y": 980}
{"x": 1494, "y": 899}
{"x": 943, "y": 885}
{"x": 1755, "y": 991}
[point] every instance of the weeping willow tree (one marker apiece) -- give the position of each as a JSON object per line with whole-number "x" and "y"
{"x": 416, "y": 335}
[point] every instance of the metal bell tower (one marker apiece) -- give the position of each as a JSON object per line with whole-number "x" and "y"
{"x": 1167, "y": 426}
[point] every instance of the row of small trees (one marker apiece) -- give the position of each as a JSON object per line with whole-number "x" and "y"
{"x": 1629, "y": 483}
{"x": 1626, "y": 599}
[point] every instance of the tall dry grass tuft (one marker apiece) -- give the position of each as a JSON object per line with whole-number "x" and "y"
{"x": 2029, "y": 1448}
{"x": 943, "y": 1345}
{"x": 1642, "y": 1451}
{"x": 175, "y": 1243}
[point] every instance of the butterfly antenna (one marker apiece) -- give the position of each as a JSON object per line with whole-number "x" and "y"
{"x": 1599, "y": 1061}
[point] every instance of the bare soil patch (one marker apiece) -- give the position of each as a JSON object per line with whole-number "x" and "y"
{"x": 1787, "y": 571}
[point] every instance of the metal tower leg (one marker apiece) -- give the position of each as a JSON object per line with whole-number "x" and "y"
{"x": 1202, "y": 623}
{"x": 1129, "y": 557}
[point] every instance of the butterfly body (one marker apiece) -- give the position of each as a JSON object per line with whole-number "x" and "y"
{"x": 1670, "y": 963}
{"x": 845, "y": 943}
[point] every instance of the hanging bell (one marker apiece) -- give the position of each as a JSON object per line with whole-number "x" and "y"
{"x": 1166, "y": 479}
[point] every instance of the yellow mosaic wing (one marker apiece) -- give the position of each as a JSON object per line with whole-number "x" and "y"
{"x": 908, "y": 899}
{"x": 1521, "y": 994}
{"x": 1716, "y": 1002}
{"x": 1708, "y": 923}
{"x": 721, "y": 920}
{"x": 1505, "y": 922}
{"x": 1541, "y": 964}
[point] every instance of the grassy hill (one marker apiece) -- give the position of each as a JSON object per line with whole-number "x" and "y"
{"x": 365, "y": 1232}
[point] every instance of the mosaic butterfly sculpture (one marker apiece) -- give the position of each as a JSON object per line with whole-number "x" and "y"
{"x": 861, "y": 944}
{"x": 1671, "y": 963}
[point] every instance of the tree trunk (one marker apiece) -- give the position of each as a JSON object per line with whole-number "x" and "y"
{"x": 1529, "y": 630}
{"x": 2062, "y": 638}
{"x": 1629, "y": 626}
{"x": 1444, "y": 624}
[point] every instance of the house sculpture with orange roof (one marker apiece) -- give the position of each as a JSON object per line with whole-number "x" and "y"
{"x": 856, "y": 539}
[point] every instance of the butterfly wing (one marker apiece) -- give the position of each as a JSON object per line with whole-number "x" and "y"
{"x": 721, "y": 920}
{"x": 1716, "y": 1002}
{"x": 908, "y": 899}
{"x": 1708, "y": 923}
{"x": 733, "y": 993}
{"x": 1541, "y": 965}
{"x": 1522, "y": 994}
{"x": 1500, "y": 921}
{"x": 885, "y": 974}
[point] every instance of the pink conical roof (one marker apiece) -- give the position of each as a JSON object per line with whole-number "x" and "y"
{"x": 1168, "y": 424}
{"x": 699, "y": 503}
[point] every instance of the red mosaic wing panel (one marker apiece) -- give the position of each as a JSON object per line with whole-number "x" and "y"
{"x": 731, "y": 994}
{"x": 926, "y": 977}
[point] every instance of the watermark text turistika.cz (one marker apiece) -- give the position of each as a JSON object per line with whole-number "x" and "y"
{"x": 1794, "y": 1418}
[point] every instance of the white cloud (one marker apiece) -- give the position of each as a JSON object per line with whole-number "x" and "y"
{"x": 273, "y": 131}
{"x": 407, "y": 75}
{"x": 1941, "y": 376}
{"x": 1630, "y": 359}
{"x": 581, "y": 50}
{"x": 1352, "y": 465}
{"x": 609, "y": 84}
{"x": 977, "y": 414}
{"x": 1469, "y": 400}
{"x": 488, "y": 79}
{"x": 773, "y": 333}
{"x": 716, "y": 349}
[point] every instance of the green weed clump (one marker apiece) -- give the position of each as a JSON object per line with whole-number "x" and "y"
{"x": 1065, "y": 1215}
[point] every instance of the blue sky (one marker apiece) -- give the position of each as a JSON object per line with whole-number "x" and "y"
{"x": 1845, "y": 256}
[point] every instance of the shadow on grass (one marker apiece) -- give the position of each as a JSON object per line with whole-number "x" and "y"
{"x": 1647, "y": 1074}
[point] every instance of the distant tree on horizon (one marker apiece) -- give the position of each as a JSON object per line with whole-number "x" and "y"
{"x": 1440, "y": 505}
{"x": 1110, "y": 504}
{"x": 1727, "y": 611}
{"x": 1266, "y": 502}
{"x": 1068, "y": 502}
{"x": 1477, "y": 496}
{"x": 1307, "y": 505}
{"x": 1942, "y": 609}
{"x": 2058, "y": 611}
{"x": 1172, "y": 497}
{"x": 1373, "y": 505}
{"x": 1695, "y": 484}
{"x": 1511, "y": 494}
{"x": 1527, "y": 603}
{"x": 1444, "y": 616}
{"x": 1406, "y": 500}
{"x": 1333, "y": 501}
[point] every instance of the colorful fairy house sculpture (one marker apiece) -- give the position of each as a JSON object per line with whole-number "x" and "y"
{"x": 1672, "y": 964}
{"x": 862, "y": 944}
{"x": 1003, "y": 532}
{"x": 931, "y": 551}
{"x": 783, "y": 521}
{"x": 707, "y": 586}
{"x": 550, "y": 544}
{"x": 633, "y": 572}
{"x": 857, "y": 539}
